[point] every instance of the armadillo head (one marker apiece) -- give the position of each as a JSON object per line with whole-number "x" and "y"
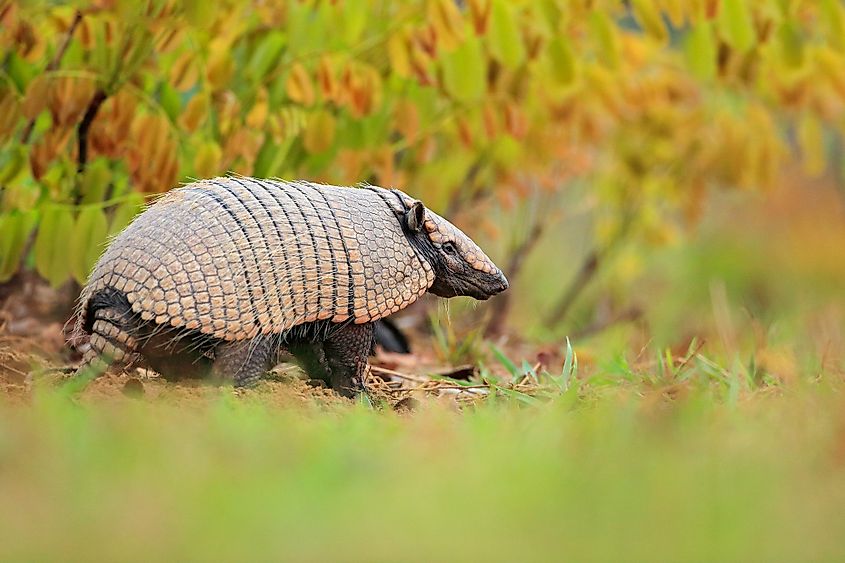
{"x": 461, "y": 268}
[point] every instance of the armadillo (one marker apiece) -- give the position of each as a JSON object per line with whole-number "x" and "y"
{"x": 219, "y": 277}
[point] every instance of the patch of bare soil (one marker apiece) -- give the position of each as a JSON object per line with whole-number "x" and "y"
{"x": 34, "y": 355}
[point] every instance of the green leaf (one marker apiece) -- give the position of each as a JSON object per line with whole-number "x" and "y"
{"x": 89, "y": 234}
{"x": 736, "y": 25}
{"x": 266, "y": 55}
{"x": 139, "y": 50}
{"x": 562, "y": 60}
{"x": 271, "y": 158}
{"x": 570, "y": 366}
{"x": 518, "y": 395}
{"x": 95, "y": 181}
{"x": 607, "y": 42}
{"x": 700, "y": 51}
{"x": 504, "y": 37}
{"x": 791, "y": 43}
{"x": 12, "y": 161}
{"x": 199, "y": 13}
{"x": 833, "y": 21}
{"x": 51, "y": 244}
{"x": 125, "y": 212}
{"x": 649, "y": 17}
{"x": 170, "y": 100}
{"x": 20, "y": 71}
{"x": 505, "y": 361}
{"x": 355, "y": 14}
{"x": 464, "y": 71}
{"x": 104, "y": 56}
{"x": 15, "y": 229}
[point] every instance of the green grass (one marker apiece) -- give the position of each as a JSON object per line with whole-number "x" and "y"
{"x": 623, "y": 473}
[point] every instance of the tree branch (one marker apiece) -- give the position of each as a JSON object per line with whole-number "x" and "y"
{"x": 586, "y": 273}
{"x": 590, "y": 266}
{"x": 84, "y": 126}
{"x": 53, "y": 65}
{"x": 502, "y": 303}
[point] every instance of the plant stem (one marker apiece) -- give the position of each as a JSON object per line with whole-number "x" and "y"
{"x": 53, "y": 65}
{"x": 84, "y": 126}
{"x": 502, "y": 303}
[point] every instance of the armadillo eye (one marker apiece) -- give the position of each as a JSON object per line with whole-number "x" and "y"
{"x": 449, "y": 248}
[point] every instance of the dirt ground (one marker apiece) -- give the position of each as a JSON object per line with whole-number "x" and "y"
{"x": 36, "y": 321}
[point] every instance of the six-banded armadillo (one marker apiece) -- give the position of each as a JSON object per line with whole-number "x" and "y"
{"x": 223, "y": 275}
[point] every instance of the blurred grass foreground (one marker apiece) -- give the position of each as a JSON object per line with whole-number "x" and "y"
{"x": 662, "y": 182}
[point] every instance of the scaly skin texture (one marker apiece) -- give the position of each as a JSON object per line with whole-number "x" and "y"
{"x": 236, "y": 257}
{"x": 222, "y": 276}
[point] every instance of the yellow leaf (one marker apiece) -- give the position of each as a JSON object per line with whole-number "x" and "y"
{"x": 208, "y": 160}
{"x": 397, "y": 52}
{"x": 258, "y": 114}
{"x": 299, "y": 86}
{"x": 831, "y": 65}
{"x": 447, "y": 22}
{"x": 219, "y": 68}
{"x": 319, "y": 133}
{"x": 676, "y": 10}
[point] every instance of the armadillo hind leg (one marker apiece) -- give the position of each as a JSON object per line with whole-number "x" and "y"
{"x": 347, "y": 351}
{"x": 111, "y": 344}
{"x": 244, "y": 361}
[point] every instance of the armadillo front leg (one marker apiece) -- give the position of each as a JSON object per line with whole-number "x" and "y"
{"x": 244, "y": 361}
{"x": 347, "y": 351}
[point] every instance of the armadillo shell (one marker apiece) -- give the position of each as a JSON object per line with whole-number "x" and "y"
{"x": 238, "y": 257}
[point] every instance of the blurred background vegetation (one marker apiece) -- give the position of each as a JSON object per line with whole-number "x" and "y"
{"x": 661, "y": 180}
{"x": 644, "y": 162}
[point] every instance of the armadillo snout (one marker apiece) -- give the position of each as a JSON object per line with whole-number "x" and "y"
{"x": 503, "y": 283}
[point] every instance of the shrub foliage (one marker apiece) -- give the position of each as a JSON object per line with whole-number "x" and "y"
{"x": 107, "y": 102}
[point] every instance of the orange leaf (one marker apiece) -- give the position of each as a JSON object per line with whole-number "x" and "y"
{"x": 111, "y": 128}
{"x": 195, "y": 113}
{"x": 299, "y": 86}
{"x": 8, "y": 113}
{"x": 464, "y": 131}
{"x": 67, "y": 98}
{"x": 407, "y": 118}
{"x": 479, "y": 11}
{"x": 326, "y": 79}
{"x": 490, "y": 119}
{"x": 184, "y": 73}
{"x": 515, "y": 123}
{"x": 35, "y": 98}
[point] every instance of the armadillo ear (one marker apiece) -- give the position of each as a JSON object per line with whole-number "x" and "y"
{"x": 414, "y": 216}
